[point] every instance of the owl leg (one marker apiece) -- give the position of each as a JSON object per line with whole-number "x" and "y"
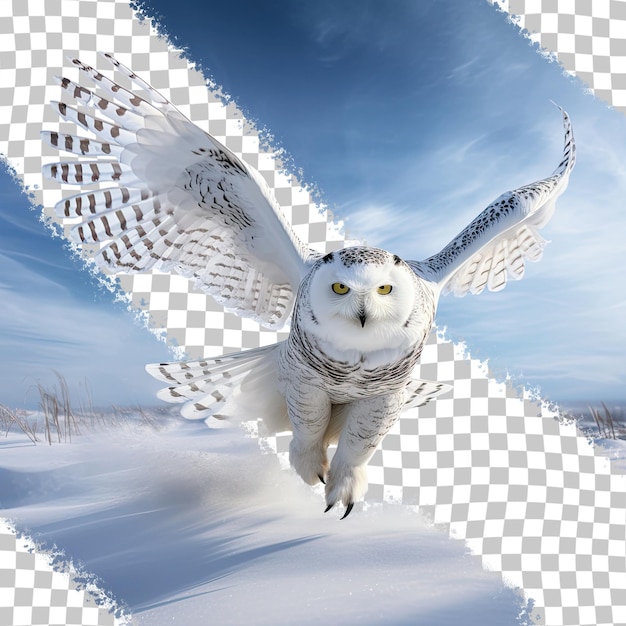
{"x": 309, "y": 411}
{"x": 367, "y": 422}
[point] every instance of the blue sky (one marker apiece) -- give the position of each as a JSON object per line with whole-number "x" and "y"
{"x": 409, "y": 117}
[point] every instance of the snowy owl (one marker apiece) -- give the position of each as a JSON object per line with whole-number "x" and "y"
{"x": 177, "y": 199}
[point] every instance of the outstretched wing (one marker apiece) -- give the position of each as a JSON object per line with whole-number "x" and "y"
{"x": 176, "y": 199}
{"x": 493, "y": 248}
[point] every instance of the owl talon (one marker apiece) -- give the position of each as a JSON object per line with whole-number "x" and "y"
{"x": 346, "y": 484}
{"x": 321, "y": 479}
{"x": 309, "y": 461}
{"x": 348, "y": 509}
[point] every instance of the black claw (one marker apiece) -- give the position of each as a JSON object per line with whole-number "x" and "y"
{"x": 348, "y": 509}
{"x": 321, "y": 479}
{"x": 328, "y": 508}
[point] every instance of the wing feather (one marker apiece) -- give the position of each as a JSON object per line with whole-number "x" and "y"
{"x": 175, "y": 198}
{"x": 494, "y": 247}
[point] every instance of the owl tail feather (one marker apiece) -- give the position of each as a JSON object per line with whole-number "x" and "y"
{"x": 239, "y": 387}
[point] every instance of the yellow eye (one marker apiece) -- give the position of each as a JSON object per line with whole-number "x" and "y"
{"x": 383, "y": 290}
{"x": 340, "y": 288}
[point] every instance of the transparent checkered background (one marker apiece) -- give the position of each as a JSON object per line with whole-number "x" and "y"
{"x": 588, "y": 37}
{"x": 524, "y": 491}
{"x": 33, "y": 592}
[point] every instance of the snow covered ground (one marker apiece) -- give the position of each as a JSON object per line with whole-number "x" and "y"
{"x": 191, "y": 525}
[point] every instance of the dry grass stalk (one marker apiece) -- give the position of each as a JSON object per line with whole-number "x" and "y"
{"x": 8, "y": 418}
{"x": 610, "y": 425}
{"x": 60, "y": 422}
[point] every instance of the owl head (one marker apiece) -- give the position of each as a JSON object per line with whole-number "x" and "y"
{"x": 364, "y": 299}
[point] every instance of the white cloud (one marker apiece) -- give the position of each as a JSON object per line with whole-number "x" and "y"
{"x": 44, "y": 328}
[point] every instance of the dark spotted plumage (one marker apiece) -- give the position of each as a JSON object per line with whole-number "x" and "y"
{"x": 357, "y": 255}
{"x": 494, "y": 246}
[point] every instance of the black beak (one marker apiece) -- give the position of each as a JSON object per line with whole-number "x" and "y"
{"x": 362, "y": 318}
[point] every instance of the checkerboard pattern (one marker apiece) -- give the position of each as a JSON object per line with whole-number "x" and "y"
{"x": 33, "y": 592}
{"x": 587, "y": 37}
{"x": 525, "y": 491}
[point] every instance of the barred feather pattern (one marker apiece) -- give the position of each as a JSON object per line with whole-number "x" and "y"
{"x": 493, "y": 248}
{"x": 205, "y": 385}
{"x": 172, "y": 198}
